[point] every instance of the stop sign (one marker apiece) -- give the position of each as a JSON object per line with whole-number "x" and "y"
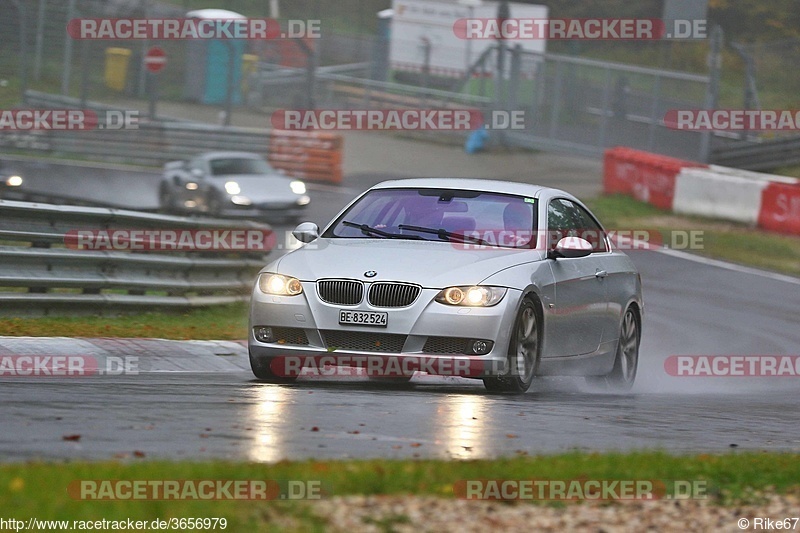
{"x": 155, "y": 59}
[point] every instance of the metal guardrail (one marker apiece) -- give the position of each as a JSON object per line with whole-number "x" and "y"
{"x": 763, "y": 155}
{"x": 40, "y": 274}
{"x": 38, "y": 99}
{"x": 313, "y": 156}
{"x": 151, "y": 143}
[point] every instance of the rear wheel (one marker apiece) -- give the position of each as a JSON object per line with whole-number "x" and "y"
{"x": 262, "y": 370}
{"x": 626, "y": 362}
{"x": 524, "y": 353}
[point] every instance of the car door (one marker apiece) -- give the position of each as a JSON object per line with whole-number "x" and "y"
{"x": 614, "y": 271}
{"x": 576, "y": 321}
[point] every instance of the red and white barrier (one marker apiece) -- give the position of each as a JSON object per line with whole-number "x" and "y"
{"x": 780, "y": 208}
{"x": 711, "y": 194}
{"x": 647, "y": 177}
{"x": 769, "y": 201}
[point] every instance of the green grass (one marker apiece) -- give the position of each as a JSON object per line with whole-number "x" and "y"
{"x": 724, "y": 240}
{"x": 227, "y": 322}
{"x": 41, "y": 490}
{"x": 793, "y": 171}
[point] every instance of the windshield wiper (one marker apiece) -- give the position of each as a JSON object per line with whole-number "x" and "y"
{"x": 368, "y": 230}
{"x": 445, "y": 235}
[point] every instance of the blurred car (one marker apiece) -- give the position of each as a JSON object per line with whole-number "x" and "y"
{"x": 409, "y": 269}
{"x": 231, "y": 184}
{"x": 11, "y": 181}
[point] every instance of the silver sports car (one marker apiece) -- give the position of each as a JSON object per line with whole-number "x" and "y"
{"x": 231, "y": 184}
{"x": 485, "y": 279}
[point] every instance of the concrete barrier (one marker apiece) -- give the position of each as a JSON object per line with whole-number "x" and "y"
{"x": 769, "y": 201}
{"x": 647, "y": 177}
{"x": 780, "y": 208}
{"x": 312, "y": 156}
{"x": 700, "y": 191}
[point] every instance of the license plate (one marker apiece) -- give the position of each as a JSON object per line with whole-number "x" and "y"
{"x": 363, "y": 318}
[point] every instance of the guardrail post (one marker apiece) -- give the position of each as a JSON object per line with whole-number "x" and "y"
{"x": 712, "y": 94}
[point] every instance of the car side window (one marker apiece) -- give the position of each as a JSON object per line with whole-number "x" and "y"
{"x": 567, "y": 219}
{"x": 197, "y": 164}
{"x": 591, "y": 230}
{"x": 560, "y": 222}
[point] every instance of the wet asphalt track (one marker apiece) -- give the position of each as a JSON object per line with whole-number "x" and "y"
{"x": 200, "y": 401}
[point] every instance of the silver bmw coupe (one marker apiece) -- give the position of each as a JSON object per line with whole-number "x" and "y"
{"x": 484, "y": 279}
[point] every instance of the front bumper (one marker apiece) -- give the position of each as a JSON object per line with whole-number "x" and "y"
{"x": 285, "y": 210}
{"x": 424, "y": 336}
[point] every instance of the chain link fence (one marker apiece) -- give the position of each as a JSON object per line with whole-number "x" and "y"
{"x": 570, "y": 100}
{"x": 53, "y": 62}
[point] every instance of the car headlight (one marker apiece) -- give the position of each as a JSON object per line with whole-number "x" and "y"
{"x": 232, "y": 187}
{"x": 279, "y": 285}
{"x": 298, "y": 187}
{"x": 241, "y": 200}
{"x": 14, "y": 181}
{"x": 471, "y": 296}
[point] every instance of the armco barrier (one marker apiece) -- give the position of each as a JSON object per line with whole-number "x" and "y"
{"x": 645, "y": 176}
{"x": 41, "y": 273}
{"x": 780, "y": 208}
{"x": 306, "y": 155}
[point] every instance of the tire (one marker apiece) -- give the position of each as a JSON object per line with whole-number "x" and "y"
{"x": 214, "y": 204}
{"x": 524, "y": 352}
{"x": 261, "y": 369}
{"x": 626, "y": 360}
{"x": 166, "y": 202}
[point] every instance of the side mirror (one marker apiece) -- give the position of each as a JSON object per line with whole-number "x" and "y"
{"x": 306, "y": 232}
{"x": 571, "y": 248}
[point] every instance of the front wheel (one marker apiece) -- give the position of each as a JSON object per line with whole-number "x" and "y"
{"x": 214, "y": 204}
{"x": 165, "y": 200}
{"x": 626, "y": 362}
{"x": 523, "y": 354}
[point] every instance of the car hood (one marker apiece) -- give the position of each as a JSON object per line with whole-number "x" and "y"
{"x": 427, "y": 263}
{"x": 260, "y": 187}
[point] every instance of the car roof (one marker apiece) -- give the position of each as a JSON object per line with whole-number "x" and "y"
{"x": 227, "y": 155}
{"x": 475, "y": 184}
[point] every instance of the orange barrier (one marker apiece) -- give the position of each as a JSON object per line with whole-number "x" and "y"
{"x": 780, "y": 208}
{"x": 311, "y": 156}
{"x": 645, "y": 176}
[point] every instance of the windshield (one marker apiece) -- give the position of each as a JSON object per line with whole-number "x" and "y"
{"x": 239, "y": 165}
{"x": 439, "y": 215}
